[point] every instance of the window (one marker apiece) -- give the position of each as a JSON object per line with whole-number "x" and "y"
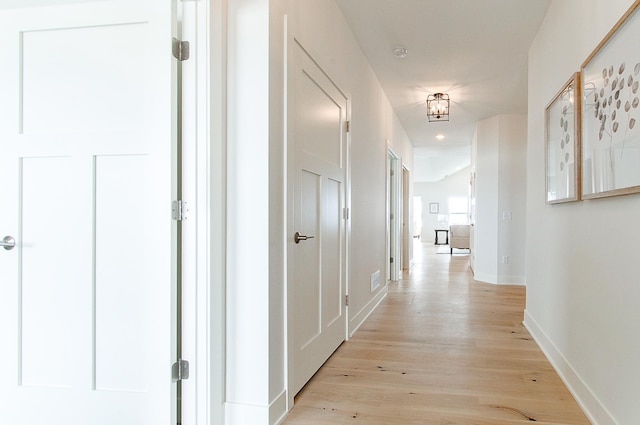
{"x": 417, "y": 216}
{"x": 458, "y": 211}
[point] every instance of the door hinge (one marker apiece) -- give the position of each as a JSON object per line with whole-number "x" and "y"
{"x": 180, "y": 49}
{"x": 347, "y": 126}
{"x": 179, "y": 210}
{"x": 346, "y": 300}
{"x": 180, "y": 371}
{"x": 391, "y": 260}
{"x": 345, "y": 213}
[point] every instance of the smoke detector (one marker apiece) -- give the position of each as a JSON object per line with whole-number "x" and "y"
{"x": 400, "y": 52}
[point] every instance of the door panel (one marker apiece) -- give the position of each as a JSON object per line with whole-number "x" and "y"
{"x": 318, "y": 286}
{"x": 71, "y": 104}
{"x": 45, "y": 306}
{"x": 121, "y": 180}
{"x": 332, "y": 253}
{"x": 86, "y": 169}
{"x": 320, "y": 119}
{"x": 308, "y": 280}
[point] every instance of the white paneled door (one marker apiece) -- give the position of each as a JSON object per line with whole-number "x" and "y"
{"x": 85, "y": 192}
{"x": 317, "y": 293}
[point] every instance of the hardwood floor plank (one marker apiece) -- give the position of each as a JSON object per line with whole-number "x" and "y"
{"x": 440, "y": 349}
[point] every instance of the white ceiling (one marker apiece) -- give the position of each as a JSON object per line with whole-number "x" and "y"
{"x": 14, "y": 4}
{"x": 474, "y": 50}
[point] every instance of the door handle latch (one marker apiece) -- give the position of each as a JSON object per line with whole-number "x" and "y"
{"x": 298, "y": 237}
{"x": 8, "y": 243}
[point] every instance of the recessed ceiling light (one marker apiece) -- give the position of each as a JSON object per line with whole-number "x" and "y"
{"x": 400, "y": 52}
{"x": 440, "y": 136}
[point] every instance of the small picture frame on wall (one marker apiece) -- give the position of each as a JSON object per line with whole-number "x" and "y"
{"x": 611, "y": 112}
{"x": 562, "y": 147}
{"x": 434, "y": 208}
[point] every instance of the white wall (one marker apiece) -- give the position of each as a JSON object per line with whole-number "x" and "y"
{"x": 248, "y": 200}
{"x": 499, "y": 163}
{"x": 453, "y": 186}
{"x": 256, "y": 316}
{"x": 583, "y": 287}
{"x": 512, "y": 198}
{"x": 485, "y": 232}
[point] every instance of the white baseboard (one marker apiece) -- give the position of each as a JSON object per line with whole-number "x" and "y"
{"x": 499, "y": 280}
{"x": 590, "y": 404}
{"x": 511, "y": 280}
{"x": 366, "y": 311}
{"x": 278, "y": 409}
{"x": 243, "y": 414}
{"x": 485, "y": 278}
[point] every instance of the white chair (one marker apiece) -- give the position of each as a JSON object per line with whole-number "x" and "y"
{"x": 459, "y": 236}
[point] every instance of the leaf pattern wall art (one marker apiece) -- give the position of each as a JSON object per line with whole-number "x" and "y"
{"x": 562, "y": 133}
{"x": 566, "y": 138}
{"x": 611, "y": 111}
{"x": 616, "y": 103}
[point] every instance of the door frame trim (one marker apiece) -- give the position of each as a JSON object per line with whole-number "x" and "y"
{"x": 394, "y": 206}
{"x": 204, "y": 124}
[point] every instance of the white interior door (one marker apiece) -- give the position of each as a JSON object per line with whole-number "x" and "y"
{"x": 317, "y": 293}
{"x": 86, "y": 172}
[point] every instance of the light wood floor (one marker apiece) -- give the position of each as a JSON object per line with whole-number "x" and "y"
{"x": 440, "y": 349}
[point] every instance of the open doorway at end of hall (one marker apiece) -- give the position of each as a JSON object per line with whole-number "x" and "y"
{"x": 399, "y": 217}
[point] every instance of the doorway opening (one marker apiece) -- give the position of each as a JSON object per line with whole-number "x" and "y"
{"x": 406, "y": 252}
{"x": 394, "y": 215}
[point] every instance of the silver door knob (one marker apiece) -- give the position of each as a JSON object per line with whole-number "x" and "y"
{"x": 8, "y": 243}
{"x": 298, "y": 237}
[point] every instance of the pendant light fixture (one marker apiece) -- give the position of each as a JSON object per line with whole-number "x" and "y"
{"x": 438, "y": 107}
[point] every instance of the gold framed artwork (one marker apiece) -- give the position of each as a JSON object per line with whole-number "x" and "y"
{"x": 562, "y": 147}
{"x": 611, "y": 112}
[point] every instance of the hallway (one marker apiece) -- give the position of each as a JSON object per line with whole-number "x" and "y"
{"x": 440, "y": 349}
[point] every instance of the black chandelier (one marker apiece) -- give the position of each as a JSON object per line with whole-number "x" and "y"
{"x": 438, "y": 107}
